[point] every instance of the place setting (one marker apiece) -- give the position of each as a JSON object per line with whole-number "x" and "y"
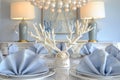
{"x": 98, "y": 64}
{"x": 24, "y": 65}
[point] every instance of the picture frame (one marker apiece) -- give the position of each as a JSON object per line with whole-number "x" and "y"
{"x": 60, "y": 22}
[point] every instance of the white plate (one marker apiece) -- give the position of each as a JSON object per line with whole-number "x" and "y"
{"x": 92, "y": 77}
{"x": 73, "y": 73}
{"x": 29, "y": 77}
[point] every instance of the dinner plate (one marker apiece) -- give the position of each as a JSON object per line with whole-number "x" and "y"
{"x": 82, "y": 77}
{"x": 29, "y": 77}
{"x": 85, "y": 76}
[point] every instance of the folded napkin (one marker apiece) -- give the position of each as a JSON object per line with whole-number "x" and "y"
{"x": 99, "y": 63}
{"x": 24, "y": 62}
{"x": 87, "y": 49}
{"x": 13, "y": 48}
{"x": 61, "y": 46}
{"x": 113, "y": 50}
{"x": 38, "y": 48}
{"x": 1, "y": 56}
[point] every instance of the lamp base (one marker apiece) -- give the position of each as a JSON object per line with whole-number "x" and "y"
{"x": 92, "y": 40}
{"x": 23, "y": 41}
{"x": 93, "y": 33}
{"x": 23, "y": 31}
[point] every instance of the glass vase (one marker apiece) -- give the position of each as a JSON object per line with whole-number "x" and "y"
{"x": 62, "y": 59}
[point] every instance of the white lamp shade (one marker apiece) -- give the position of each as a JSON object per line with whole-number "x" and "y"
{"x": 22, "y": 10}
{"x": 93, "y": 9}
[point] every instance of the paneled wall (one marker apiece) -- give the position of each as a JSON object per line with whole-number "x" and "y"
{"x": 109, "y": 27}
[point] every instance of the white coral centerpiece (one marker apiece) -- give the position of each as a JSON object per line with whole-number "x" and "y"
{"x": 48, "y": 39}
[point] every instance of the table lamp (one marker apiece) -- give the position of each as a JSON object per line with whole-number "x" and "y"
{"x": 93, "y": 10}
{"x": 22, "y": 11}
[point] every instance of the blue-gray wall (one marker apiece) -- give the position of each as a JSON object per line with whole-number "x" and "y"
{"x": 8, "y": 26}
{"x": 0, "y": 11}
{"x": 109, "y": 26}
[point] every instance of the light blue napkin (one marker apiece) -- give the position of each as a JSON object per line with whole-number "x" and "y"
{"x": 99, "y": 63}
{"x": 1, "y": 56}
{"x": 24, "y": 62}
{"x": 38, "y": 48}
{"x": 87, "y": 49}
{"x": 61, "y": 46}
{"x": 113, "y": 50}
{"x": 13, "y": 48}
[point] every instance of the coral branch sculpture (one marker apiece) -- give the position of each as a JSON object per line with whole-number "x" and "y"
{"x": 48, "y": 38}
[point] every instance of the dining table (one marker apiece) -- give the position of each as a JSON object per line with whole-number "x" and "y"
{"x": 55, "y": 73}
{"x": 64, "y": 73}
{"x": 60, "y": 73}
{"x": 69, "y": 73}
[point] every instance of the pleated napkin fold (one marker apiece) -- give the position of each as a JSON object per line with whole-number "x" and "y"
{"x": 13, "y": 48}
{"x": 113, "y": 50}
{"x": 1, "y": 56}
{"x": 38, "y": 48}
{"x": 99, "y": 63}
{"x": 61, "y": 46}
{"x": 24, "y": 62}
{"x": 87, "y": 49}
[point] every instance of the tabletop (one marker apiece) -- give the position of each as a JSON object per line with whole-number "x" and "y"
{"x": 60, "y": 73}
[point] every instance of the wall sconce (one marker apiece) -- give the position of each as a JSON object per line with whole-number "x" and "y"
{"x": 22, "y": 11}
{"x": 91, "y": 11}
